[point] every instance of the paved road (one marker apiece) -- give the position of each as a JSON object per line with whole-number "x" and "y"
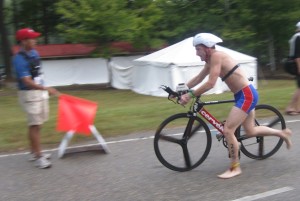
{"x": 131, "y": 172}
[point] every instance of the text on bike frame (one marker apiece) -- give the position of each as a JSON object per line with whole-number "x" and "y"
{"x": 211, "y": 119}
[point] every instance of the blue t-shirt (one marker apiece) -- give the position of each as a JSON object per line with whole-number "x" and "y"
{"x": 22, "y": 68}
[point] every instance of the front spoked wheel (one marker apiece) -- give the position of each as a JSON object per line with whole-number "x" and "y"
{"x": 263, "y": 147}
{"x": 182, "y": 142}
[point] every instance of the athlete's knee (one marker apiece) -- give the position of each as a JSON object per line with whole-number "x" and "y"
{"x": 228, "y": 132}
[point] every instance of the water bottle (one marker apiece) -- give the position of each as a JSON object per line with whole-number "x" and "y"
{"x": 182, "y": 89}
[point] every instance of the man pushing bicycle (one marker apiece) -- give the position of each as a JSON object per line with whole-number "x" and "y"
{"x": 220, "y": 64}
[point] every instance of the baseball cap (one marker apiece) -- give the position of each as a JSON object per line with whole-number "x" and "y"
{"x": 26, "y": 33}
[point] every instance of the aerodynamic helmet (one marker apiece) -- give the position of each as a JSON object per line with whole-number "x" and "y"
{"x": 207, "y": 39}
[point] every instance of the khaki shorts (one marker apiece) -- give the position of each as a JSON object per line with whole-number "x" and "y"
{"x": 36, "y": 106}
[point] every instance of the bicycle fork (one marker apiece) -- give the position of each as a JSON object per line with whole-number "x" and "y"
{"x": 188, "y": 133}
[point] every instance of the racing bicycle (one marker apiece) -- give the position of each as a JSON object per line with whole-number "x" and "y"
{"x": 183, "y": 141}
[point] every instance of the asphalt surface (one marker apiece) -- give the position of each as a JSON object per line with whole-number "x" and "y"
{"x": 131, "y": 172}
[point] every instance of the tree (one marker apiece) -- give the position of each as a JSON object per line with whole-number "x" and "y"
{"x": 37, "y": 14}
{"x": 95, "y": 21}
{"x": 272, "y": 27}
{"x": 102, "y": 22}
{"x": 148, "y": 17}
{"x": 4, "y": 41}
{"x": 259, "y": 28}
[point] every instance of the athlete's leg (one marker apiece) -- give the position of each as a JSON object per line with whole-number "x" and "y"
{"x": 235, "y": 118}
{"x": 253, "y": 131}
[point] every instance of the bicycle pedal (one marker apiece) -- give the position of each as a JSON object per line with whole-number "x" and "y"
{"x": 219, "y": 137}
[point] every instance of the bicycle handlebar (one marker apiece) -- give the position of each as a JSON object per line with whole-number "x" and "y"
{"x": 177, "y": 95}
{"x": 169, "y": 91}
{"x": 173, "y": 94}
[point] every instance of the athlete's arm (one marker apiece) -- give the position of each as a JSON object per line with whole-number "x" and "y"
{"x": 214, "y": 72}
{"x": 199, "y": 78}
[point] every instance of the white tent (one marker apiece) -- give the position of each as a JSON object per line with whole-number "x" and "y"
{"x": 178, "y": 63}
{"x": 75, "y": 71}
{"x": 121, "y": 71}
{"x": 65, "y": 72}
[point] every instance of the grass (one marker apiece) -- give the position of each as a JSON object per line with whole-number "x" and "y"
{"x": 120, "y": 112}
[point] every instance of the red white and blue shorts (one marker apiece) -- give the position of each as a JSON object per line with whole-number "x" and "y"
{"x": 246, "y": 99}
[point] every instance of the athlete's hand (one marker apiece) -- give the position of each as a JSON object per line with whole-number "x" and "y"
{"x": 184, "y": 99}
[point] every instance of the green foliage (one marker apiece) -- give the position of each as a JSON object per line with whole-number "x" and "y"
{"x": 37, "y": 14}
{"x": 245, "y": 25}
{"x": 95, "y": 21}
{"x": 100, "y": 21}
{"x": 148, "y": 18}
{"x": 272, "y": 21}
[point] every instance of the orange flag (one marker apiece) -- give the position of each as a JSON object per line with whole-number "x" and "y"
{"x": 75, "y": 114}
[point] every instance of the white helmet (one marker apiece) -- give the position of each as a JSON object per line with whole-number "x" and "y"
{"x": 207, "y": 39}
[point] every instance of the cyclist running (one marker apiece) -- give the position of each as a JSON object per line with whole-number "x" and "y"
{"x": 219, "y": 64}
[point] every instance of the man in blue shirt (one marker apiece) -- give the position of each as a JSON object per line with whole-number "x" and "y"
{"x": 33, "y": 95}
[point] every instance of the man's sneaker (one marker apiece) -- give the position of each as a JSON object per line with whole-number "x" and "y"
{"x": 32, "y": 157}
{"x": 42, "y": 163}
